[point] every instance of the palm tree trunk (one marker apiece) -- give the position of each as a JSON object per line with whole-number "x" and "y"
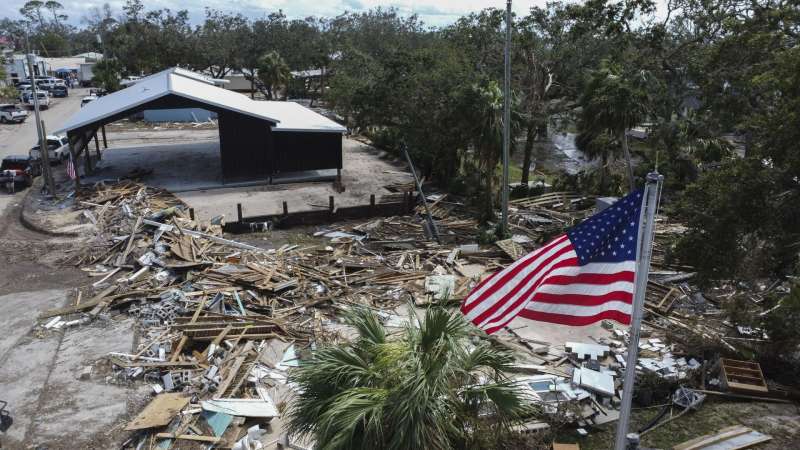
{"x": 526, "y": 161}
{"x": 626, "y": 151}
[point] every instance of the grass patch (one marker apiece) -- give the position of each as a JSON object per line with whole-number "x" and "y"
{"x": 712, "y": 416}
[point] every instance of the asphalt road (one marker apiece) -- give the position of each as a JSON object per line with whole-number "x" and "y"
{"x": 17, "y": 139}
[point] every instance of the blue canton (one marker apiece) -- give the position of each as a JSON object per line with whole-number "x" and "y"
{"x": 609, "y": 236}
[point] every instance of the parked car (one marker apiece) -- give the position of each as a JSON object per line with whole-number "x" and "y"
{"x": 12, "y": 114}
{"x": 59, "y": 90}
{"x": 57, "y": 149}
{"x": 88, "y": 99}
{"x": 15, "y": 172}
{"x": 44, "y": 100}
{"x": 24, "y": 92}
{"x": 97, "y": 92}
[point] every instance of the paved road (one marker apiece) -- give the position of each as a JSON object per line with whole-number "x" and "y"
{"x": 17, "y": 139}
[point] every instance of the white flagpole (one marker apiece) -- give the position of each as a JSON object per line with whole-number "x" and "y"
{"x": 647, "y": 217}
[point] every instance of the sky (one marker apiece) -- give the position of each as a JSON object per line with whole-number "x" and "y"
{"x": 432, "y": 12}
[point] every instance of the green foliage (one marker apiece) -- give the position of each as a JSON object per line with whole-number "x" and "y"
{"x": 9, "y": 94}
{"x": 273, "y": 72}
{"x": 428, "y": 387}
{"x": 107, "y": 74}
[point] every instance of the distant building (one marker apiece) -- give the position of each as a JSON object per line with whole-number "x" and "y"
{"x": 16, "y": 66}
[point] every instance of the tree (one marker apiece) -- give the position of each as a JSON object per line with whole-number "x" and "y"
{"x": 613, "y": 102}
{"x": 273, "y": 72}
{"x": 107, "y": 74}
{"x": 54, "y": 6}
{"x": 428, "y": 387}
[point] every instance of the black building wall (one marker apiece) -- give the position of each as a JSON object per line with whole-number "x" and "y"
{"x": 298, "y": 150}
{"x": 245, "y": 147}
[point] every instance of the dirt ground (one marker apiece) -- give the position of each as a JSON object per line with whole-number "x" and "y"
{"x": 50, "y": 407}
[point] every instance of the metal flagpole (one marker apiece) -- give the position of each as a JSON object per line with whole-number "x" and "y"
{"x": 647, "y": 217}
{"x": 506, "y": 120}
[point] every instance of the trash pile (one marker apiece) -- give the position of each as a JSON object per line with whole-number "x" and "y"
{"x": 220, "y": 321}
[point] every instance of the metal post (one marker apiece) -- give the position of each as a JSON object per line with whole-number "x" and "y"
{"x": 429, "y": 218}
{"x": 506, "y": 121}
{"x": 645, "y": 249}
{"x": 43, "y": 150}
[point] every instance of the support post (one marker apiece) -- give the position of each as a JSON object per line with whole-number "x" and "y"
{"x": 191, "y": 213}
{"x": 330, "y": 204}
{"x": 429, "y": 217}
{"x": 105, "y": 141}
{"x": 239, "y": 212}
{"x": 645, "y": 249}
{"x": 372, "y": 201}
{"x": 285, "y": 208}
{"x": 96, "y": 146}
{"x": 506, "y": 121}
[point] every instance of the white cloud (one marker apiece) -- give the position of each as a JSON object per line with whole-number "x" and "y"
{"x": 432, "y": 12}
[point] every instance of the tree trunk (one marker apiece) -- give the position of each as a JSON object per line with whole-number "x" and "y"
{"x": 626, "y": 151}
{"x": 526, "y": 161}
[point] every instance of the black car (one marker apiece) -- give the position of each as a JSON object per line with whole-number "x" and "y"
{"x": 59, "y": 91}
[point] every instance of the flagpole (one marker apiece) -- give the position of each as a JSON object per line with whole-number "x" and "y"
{"x": 645, "y": 248}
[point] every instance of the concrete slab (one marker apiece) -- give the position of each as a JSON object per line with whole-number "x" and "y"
{"x": 187, "y": 163}
{"x": 38, "y": 375}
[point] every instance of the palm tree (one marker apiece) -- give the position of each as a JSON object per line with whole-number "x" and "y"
{"x": 484, "y": 104}
{"x": 612, "y": 103}
{"x": 427, "y": 387}
{"x": 273, "y": 72}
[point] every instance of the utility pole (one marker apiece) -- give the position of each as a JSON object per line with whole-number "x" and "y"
{"x": 43, "y": 150}
{"x": 506, "y": 121}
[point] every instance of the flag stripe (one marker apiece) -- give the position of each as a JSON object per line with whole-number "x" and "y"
{"x": 498, "y": 279}
{"x": 512, "y": 305}
{"x": 591, "y": 278}
{"x": 575, "y": 321}
{"x": 504, "y": 297}
{"x": 586, "y": 289}
{"x": 584, "y": 300}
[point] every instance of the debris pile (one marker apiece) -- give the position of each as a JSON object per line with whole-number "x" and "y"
{"x": 220, "y": 322}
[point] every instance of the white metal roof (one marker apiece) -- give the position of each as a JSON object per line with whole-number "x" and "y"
{"x": 296, "y": 117}
{"x": 287, "y": 116}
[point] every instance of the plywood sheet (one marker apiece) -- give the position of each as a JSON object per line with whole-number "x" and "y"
{"x": 159, "y": 412}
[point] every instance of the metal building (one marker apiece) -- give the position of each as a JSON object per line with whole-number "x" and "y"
{"x": 257, "y": 139}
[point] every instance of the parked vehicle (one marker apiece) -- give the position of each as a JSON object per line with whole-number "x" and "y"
{"x": 88, "y": 99}
{"x": 44, "y": 100}
{"x": 12, "y": 114}
{"x": 57, "y": 149}
{"x": 97, "y": 92}
{"x": 15, "y": 172}
{"x": 59, "y": 90}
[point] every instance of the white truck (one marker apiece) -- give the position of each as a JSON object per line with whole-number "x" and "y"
{"x": 44, "y": 100}
{"x": 57, "y": 149}
{"x": 85, "y": 74}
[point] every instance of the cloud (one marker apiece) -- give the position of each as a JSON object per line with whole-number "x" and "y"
{"x": 432, "y": 12}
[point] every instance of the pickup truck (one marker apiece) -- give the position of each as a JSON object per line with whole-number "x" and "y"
{"x": 12, "y": 114}
{"x": 15, "y": 171}
{"x": 57, "y": 149}
{"x": 44, "y": 100}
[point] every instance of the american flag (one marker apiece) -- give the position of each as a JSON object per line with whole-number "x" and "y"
{"x": 70, "y": 168}
{"x": 581, "y": 277}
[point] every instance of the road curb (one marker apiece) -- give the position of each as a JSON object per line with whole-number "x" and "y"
{"x": 30, "y": 223}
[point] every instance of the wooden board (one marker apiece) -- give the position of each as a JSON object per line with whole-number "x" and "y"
{"x": 159, "y": 412}
{"x": 557, "y": 446}
{"x": 731, "y": 438}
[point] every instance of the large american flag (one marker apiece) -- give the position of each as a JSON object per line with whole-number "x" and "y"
{"x": 581, "y": 277}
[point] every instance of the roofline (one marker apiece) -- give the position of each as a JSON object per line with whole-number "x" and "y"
{"x": 308, "y": 130}
{"x": 115, "y": 112}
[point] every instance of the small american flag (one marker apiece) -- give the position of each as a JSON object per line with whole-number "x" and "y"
{"x": 581, "y": 277}
{"x": 70, "y": 168}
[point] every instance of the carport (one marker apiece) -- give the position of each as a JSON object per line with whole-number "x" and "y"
{"x": 257, "y": 139}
